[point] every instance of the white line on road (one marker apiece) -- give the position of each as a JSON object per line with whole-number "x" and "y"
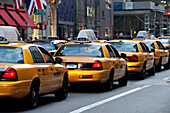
{"x": 108, "y": 99}
{"x": 167, "y": 78}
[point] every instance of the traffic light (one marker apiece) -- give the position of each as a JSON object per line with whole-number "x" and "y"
{"x": 52, "y": 2}
{"x": 168, "y": 13}
{"x": 134, "y": 32}
{"x": 39, "y": 26}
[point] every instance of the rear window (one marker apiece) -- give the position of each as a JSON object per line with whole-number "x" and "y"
{"x": 125, "y": 46}
{"x": 11, "y": 55}
{"x": 47, "y": 46}
{"x": 80, "y": 50}
{"x": 150, "y": 44}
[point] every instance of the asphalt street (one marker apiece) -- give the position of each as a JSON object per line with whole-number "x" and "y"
{"x": 151, "y": 95}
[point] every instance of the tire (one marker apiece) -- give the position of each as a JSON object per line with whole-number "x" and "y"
{"x": 166, "y": 66}
{"x": 158, "y": 67}
{"x": 62, "y": 93}
{"x": 142, "y": 74}
{"x": 33, "y": 96}
{"x": 152, "y": 71}
{"x": 109, "y": 84}
{"x": 123, "y": 81}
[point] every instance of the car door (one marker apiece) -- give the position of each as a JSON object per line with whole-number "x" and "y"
{"x": 115, "y": 62}
{"x": 42, "y": 69}
{"x": 165, "y": 55}
{"x": 148, "y": 56}
{"x": 122, "y": 64}
{"x": 53, "y": 69}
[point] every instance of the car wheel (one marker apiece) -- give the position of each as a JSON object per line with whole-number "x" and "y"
{"x": 166, "y": 66}
{"x": 142, "y": 74}
{"x": 62, "y": 93}
{"x": 109, "y": 83}
{"x": 152, "y": 71}
{"x": 33, "y": 95}
{"x": 158, "y": 67}
{"x": 123, "y": 81}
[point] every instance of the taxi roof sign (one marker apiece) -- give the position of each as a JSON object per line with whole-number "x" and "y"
{"x": 86, "y": 35}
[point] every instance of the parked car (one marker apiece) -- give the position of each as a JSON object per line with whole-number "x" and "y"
{"x": 9, "y": 33}
{"x": 139, "y": 58}
{"x": 28, "y": 70}
{"x": 161, "y": 54}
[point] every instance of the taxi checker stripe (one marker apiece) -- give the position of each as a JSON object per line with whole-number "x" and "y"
{"x": 109, "y": 99}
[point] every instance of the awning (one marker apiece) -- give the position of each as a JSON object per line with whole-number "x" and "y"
{"x": 22, "y": 24}
{"x": 27, "y": 18}
{"x": 6, "y": 17}
{"x": 2, "y": 23}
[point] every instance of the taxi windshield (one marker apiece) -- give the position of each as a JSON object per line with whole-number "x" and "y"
{"x": 150, "y": 44}
{"x": 11, "y": 55}
{"x": 125, "y": 46}
{"x": 80, "y": 50}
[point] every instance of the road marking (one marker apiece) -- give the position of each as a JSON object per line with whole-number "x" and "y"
{"x": 109, "y": 99}
{"x": 167, "y": 78}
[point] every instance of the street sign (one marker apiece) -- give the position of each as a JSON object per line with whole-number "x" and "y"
{"x": 152, "y": 20}
{"x": 40, "y": 12}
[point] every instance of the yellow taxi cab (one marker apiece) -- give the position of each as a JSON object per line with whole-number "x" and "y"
{"x": 139, "y": 58}
{"x": 28, "y": 70}
{"x": 161, "y": 54}
{"x": 89, "y": 62}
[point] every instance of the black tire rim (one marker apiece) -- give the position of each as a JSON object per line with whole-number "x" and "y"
{"x": 34, "y": 96}
{"x": 65, "y": 87}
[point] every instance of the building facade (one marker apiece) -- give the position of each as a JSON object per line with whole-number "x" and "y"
{"x": 136, "y": 15}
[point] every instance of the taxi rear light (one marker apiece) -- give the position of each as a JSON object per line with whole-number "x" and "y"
{"x": 50, "y": 53}
{"x": 97, "y": 65}
{"x": 134, "y": 58}
{"x": 10, "y": 75}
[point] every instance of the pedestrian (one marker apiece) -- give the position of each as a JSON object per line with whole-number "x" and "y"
{"x": 35, "y": 38}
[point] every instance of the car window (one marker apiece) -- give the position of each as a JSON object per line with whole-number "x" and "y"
{"x": 150, "y": 44}
{"x": 112, "y": 55}
{"x": 47, "y": 46}
{"x": 47, "y": 56}
{"x": 115, "y": 51}
{"x": 36, "y": 55}
{"x": 90, "y": 50}
{"x": 160, "y": 45}
{"x": 125, "y": 46}
{"x": 11, "y": 54}
{"x": 144, "y": 47}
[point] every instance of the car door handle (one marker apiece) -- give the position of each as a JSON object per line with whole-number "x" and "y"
{"x": 52, "y": 69}
{"x": 39, "y": 70}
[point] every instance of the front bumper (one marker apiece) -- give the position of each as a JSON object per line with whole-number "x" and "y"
{"x": 16, "y": 90}
{"x": 100, "y": 76}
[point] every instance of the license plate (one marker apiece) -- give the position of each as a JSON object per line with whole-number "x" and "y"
{"x": 72, "y": 66}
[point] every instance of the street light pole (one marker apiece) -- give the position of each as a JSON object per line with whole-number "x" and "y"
{"x": 48, "y": 20}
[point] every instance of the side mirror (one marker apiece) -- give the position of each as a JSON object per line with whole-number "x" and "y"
{"x": 166, "y": 47}
{"x": 123, "y": 55}
{"x": 58, "y": 60}
{"x": 152, "y": 50}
